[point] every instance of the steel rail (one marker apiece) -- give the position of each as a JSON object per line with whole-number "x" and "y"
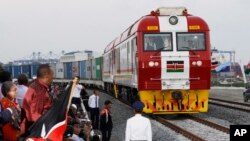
{"x": 231, "y": 106}
{"x": 178, "y": 129}
{"x": 231, "y": 102}
{"x": 210, "y": 124}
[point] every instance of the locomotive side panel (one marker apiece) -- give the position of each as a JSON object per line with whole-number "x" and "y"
{"x": 107, "y": 67}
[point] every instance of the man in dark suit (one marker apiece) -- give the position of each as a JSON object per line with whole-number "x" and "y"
{"x": 106, "y": 123}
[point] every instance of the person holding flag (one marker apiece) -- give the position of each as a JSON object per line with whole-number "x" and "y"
{"x": 52, "y": 125}
{"x": 37, "y": 100}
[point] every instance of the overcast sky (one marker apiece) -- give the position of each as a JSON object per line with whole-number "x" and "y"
{"x": 28, "y": 26}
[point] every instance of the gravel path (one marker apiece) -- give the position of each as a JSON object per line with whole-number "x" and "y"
{"x": 120, "y": 114}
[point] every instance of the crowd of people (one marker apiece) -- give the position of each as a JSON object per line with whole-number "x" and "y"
{"x": 23, "y": 103}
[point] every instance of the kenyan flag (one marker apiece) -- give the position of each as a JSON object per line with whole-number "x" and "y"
{"x": 52, "y": 125}
{"x": 175, "y": 66}
{"x": 214, "y": 64}
{"x": 213, "y": 67}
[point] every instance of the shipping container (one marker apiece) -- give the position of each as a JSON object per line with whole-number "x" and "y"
{"x": 75, "y": 69}
{"x": 53, "y": 68}
{"x": 93, "y": 68}
{"x": 98, "y": 68}
{"x": 16, "y": 71}
{"x": 8, "y": 68}
{"x": 67, "y": 66}
{"x": 26, "y": 69}
{"x": 82, "y": 67}
{"x": 59, "y": 71}
{"x": 88, "y": 70}
{"x": 34, "y": 68}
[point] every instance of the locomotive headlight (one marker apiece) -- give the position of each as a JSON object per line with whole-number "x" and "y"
{"x": 194, "y": 63}
{"x": 173, "y": 20}
{"x": 199, "y": 63}
{"x": 151, "y": 63}
{"x": 156, "y": 64}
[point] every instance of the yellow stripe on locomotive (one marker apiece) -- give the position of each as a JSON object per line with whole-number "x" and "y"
{"x": 174, "y": 101}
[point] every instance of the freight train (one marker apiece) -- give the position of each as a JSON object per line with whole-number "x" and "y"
{"x": 163, "y": 59}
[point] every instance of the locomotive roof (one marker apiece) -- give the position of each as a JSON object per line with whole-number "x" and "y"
{"x": 152, "y": 19}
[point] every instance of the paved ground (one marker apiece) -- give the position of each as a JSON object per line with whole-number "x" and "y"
{"x": 230, "y": 93}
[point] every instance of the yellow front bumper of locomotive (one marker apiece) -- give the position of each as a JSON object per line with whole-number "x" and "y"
{"x": 166, "y": 102}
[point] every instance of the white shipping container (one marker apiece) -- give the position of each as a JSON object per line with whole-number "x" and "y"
{"x": 53, "y": 67}
{"x": 59, "y": 70}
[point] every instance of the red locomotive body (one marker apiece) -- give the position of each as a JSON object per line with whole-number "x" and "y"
{"x": 164, "y": 60}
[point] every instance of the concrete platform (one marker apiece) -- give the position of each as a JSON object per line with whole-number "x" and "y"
{"x": 228, "y": 93}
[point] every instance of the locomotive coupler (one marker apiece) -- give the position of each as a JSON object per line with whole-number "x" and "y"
{"x": 178, "y": 97}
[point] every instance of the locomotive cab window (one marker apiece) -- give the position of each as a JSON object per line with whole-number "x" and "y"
{"x": 154, "y": 42}
{"x": 190, "y": 41}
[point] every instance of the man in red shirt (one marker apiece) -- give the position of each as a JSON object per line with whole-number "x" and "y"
{"x": 37, "y": 100}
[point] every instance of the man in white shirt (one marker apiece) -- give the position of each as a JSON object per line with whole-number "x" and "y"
{"x": 21, "y": 88}
{"x": 94, "y": 109}
{"x": 138, "y": 127}
{"x": 76, "y": 98}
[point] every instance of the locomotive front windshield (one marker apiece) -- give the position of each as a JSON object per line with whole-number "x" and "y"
{"x": 153, "y": 42}
{"x": 190, "y": 41}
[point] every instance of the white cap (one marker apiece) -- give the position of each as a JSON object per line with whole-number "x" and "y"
{"x": 73, "y": 105}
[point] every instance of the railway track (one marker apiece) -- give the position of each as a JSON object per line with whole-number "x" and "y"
{"x": 178, "y": 129}
{"x": 230, "y": 104}
{"x": 210, "y": 124}
{"x": 217, "y": 132}
{"x": 176, "y": 125}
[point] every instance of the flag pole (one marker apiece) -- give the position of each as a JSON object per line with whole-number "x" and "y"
{"x": 71, "y": 93}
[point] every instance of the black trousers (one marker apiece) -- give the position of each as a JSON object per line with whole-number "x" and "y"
{"x": 106, "y": 134}
{"x": 94, "y": 116}
{"x": 76, "y": 101}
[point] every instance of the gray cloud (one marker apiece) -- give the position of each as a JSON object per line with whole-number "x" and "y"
{"x": 53, "y": 25}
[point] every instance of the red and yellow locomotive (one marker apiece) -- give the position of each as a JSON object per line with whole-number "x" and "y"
{"x": 164, "y": 59}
